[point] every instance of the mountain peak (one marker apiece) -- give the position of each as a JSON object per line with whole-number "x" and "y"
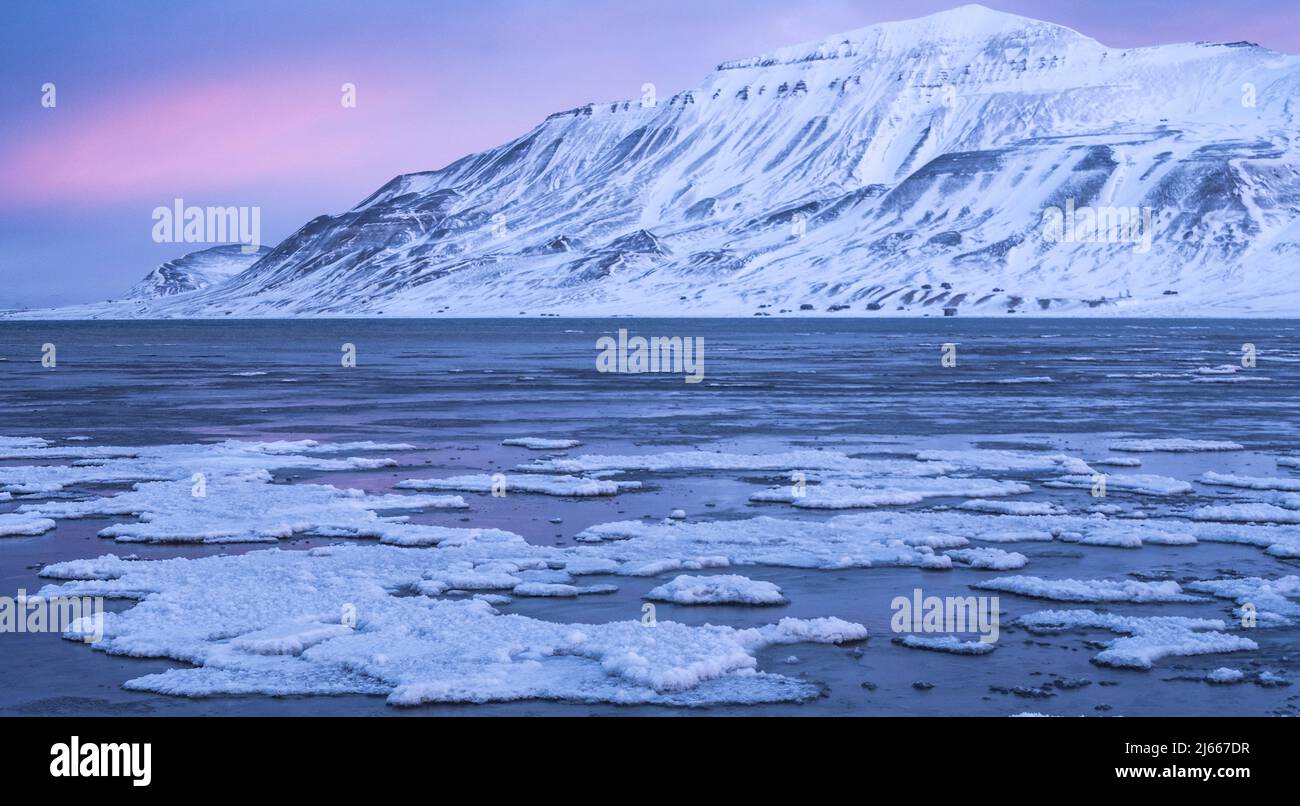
{"x": 971, "y": 24}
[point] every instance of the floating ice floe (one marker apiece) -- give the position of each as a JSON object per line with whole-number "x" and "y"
{"x": 707, "y": 460}
{"x": 868, "y": 493}
{"x": 1221, "y": 369}
{"x": 558, "y": 589}
{"x": 1088, "y": 590}
{"x": 1012, "y": 507}
{"x": 18, "y": 525}
{"x": 988, "y": 558}
{"x": 541, "y": 444}
{"x": 1251, "y": 482}
{"x": 1138, "y": 483}
{"x": 111, "y": 465}
{"x": 819, "y": 543}
{"x": 245, "y": 508}
{"x": 945, "y": 643}
{"x": 523, "y": 483}
{"x": 77, "y": 452}
{"x": 1117, "y": 461}
{"x": 1146, "y": 640}
{"x": 1007, "y": 461}
{"x": 719, "y": 589}
{"x": 1271, "y": 601}
{"x": 653, "y": 548}
{"x": 1246, "y": 513}
{"x": 1174, "y": 445}
{"x": 7, "y": 443}
{"x": 1288, "y": 461}
{"x": 1026, "y": 379}
{"x": 327, "y": 622}
{"x": 1269, "y": 679}
{"x": 1223, "y": 676}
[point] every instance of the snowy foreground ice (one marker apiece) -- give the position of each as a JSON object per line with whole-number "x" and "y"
{"x": 415, "y": 616}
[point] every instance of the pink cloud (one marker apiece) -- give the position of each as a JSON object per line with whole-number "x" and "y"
{"x": 210, "y": 137}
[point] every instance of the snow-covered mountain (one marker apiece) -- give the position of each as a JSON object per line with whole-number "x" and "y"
{"x": 893, "y": 170}
{"x": 195, "y": 272}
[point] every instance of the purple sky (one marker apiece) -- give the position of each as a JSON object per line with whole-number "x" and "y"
{"x": 237, "y": 103}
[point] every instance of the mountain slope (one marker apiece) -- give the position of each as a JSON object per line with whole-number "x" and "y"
{"x": 195, "y": 272}
{"x": 900, "y": 168}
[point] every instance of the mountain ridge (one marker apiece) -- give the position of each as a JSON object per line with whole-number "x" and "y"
{"x": 900, "y": 168}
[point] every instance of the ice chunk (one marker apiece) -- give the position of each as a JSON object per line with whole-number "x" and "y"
{"x": 1224, "y": 675}
{"x": 541, "y": 444}
{"x": 240, "y": 509}
{"x": 946, "y": 643}
{"x": 1175, "y": 445}
{"x": 867, "y": 493}
{"x": 1088, "y": 590}
{"x": 113, "y": 465}
{"x": 1007, "y": 461}
{"x": 275, "y": 622}
{"x": 1139, "y": 483}
{"x": 1117, "y": 461}
{"x": 1246, "y": 513}
{"x": 1012, "y": 507}
{"x": 1267, "y": 598}
{"x": 1251, "y": 482}
{"x": 7, "y": 443}
{"x": 15, "y": 525}
{"x": 1146, "y": 639}
{"x": 559, "y": 590}
{"x": 989, "y": 558}
{"x": 524, "y": 483}
{"x": 707, "y": 460}
{"x": 801, "y": 630}
{"x": 840, "y": 542}
{"x": 720, "y": 589}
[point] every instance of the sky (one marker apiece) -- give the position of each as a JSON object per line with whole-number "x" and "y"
{"x": 239, "y": 103}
